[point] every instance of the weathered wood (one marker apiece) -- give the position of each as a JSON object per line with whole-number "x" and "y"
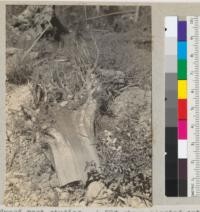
{"x": 73, "y": 142}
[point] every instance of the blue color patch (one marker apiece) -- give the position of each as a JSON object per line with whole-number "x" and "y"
{"x": 182, "y": 50}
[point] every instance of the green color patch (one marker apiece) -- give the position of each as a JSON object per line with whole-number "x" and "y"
{"x": 182, "y": 69}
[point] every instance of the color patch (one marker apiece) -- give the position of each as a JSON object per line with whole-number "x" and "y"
{"x": 182, "y": 50}
{"x": 182, "y": 28}
{"x": 171, "y": 117}
{"x": 171, "y": 64}
{"x": 171, "y": 26}
{"x": 182, "y": 89}
{"x": 182, "y": 69}
{"x": 182, "y": 149}
{"x": 182, "y": 129}
{"x": 171, "y": 46}
{"x": 182, "y": 109}
{"x": 182, "y": 169}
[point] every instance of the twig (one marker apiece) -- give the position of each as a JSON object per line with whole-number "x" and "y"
{"x": 100, "y": 30}
{"x": 137, "y": 12}
{"x": 16, "y": 151}
{"x": 8, "y": 137}
{"x": 35, "y": 41}
{"x": 114, "y": 13}
{"x": 128, "y": 86}
{"x": 61, "y": 60}
{"x": 142, "y": 197}
{"x": 49, "y": 158}
{"x": 97, "y": 51}
{"x": 85, "y": 10}
{"x": 98, "y": 9}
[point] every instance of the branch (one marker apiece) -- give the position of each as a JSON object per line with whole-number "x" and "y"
{"x": 137, "y": 12}
{"x": 35, "y": 41}
{"x": 142, "y": 197}
{"x": 97, "y": 51}
{"x": 114, "y": 13}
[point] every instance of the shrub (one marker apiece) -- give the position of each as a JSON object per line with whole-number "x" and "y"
{"x": 125, "y": 153}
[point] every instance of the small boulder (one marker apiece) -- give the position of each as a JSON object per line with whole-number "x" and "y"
{"x": 95, "y": 191}
{"x": 135, "y": 202}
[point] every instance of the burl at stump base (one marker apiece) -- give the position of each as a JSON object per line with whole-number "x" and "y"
{"x": 72, "y": 142}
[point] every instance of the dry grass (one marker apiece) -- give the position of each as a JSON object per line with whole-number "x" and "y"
{"x": 20, "y": 71}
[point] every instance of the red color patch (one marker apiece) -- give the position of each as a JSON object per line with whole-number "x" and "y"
{"x": 182, "y": 109}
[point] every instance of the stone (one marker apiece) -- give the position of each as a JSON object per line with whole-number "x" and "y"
{"x": 94, "y": 191}
{"x": 11, "y": 51}
{"x": 135, "y": 202}
{"x": 13, "y": 181}
{"x": 130, "y": 101}
{"x": 54, "y": 181}
{"x": 64, "y": 103}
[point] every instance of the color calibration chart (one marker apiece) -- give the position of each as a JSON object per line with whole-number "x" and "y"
{"x": 182, "y": 117}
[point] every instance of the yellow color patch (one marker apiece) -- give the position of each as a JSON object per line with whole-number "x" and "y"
{"x": 182, "y": 89}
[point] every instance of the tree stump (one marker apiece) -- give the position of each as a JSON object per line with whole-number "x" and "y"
{"x": 72, "y": 142}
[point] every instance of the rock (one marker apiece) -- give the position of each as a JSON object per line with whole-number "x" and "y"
{"x": 64, "y": 195}
{"x": 9, "y": 132}
{"x": 116, "y": 77}
{"x": 17, "y": 100}
{"x": 28, "y": 124}
{"x": 33, "y": 55}
{"x": 27, "y": 16}
{"x": 54, "y": 181}
{"x": 130, "y": 101}
{"x": 11, "y": 51}
{"x": 81, "y": 204}
{"x": 18, "y": 175}
{"x": 34, "y": 197}
{"x": 64, "y": 103}
{"x": 135, "y": 202}
{"x": 94, "y": 191}
{"x": 50, "y": 195}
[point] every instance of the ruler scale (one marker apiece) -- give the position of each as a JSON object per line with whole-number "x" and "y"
{"x": 193, "y": 107}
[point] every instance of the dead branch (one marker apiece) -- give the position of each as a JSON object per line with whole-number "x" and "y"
{"x": 142, "y": 197}
{"x": 16, "y": 151}
{"x": 85, "y": 11}
{"x": 110, "y": 14}
{"x": 137, "y": 13}
{"x": 35, "y": 41}
{"x": 97, "y": 51}
{"x": 28, "y": 113}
